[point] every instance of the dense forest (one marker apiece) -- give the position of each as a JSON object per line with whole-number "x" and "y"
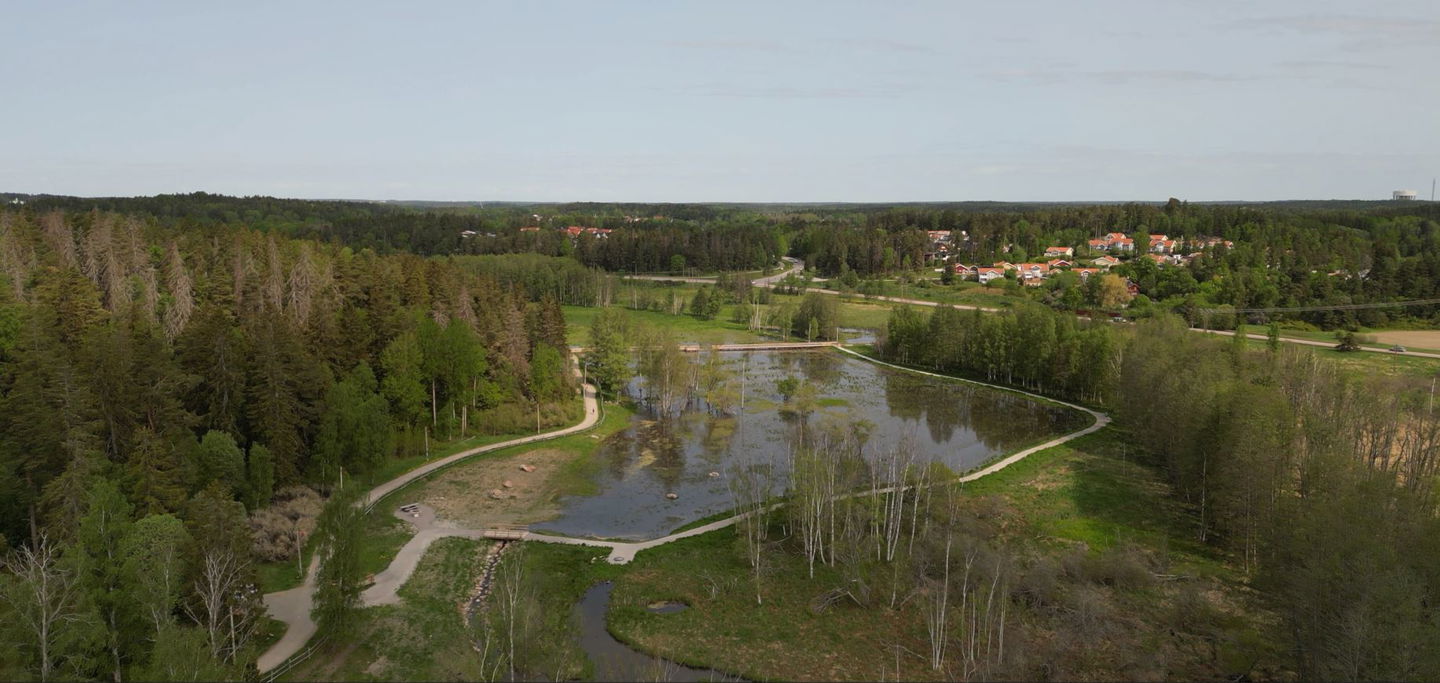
{"x": 161, "y": 386}
{"x": 1320, "y": 484}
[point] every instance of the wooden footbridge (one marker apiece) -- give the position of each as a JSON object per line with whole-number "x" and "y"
{"x": 507, "y": 532}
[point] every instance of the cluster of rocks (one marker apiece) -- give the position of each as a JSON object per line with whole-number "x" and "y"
{"x": 500, "y": 494}
{"x": 482, "y": 583}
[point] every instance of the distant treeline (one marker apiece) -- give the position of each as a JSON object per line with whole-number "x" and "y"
{"x": 1286, "y": 254}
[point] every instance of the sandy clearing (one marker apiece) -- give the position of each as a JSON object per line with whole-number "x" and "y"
{"x": 461, "y": 496}
{"x": 1420, "y": 339}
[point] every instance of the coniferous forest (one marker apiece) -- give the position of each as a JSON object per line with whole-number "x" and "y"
{"x": 161, "y": 384}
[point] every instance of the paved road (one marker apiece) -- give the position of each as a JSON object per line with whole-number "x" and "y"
{"x": 293, "y": 606}
{"x": 1312, "y": 342}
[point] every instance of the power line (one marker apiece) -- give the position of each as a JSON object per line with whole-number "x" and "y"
{"x": 1336, "y": 307}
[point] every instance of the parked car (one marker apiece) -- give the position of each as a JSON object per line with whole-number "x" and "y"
{"x": 1397, "y": 349}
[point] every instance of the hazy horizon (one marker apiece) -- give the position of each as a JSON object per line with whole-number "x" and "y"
{"x": 737, "y": 103}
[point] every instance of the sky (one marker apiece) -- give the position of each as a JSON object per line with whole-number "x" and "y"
{"x": 723, "y": 101}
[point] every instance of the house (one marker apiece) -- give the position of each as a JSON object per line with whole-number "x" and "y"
{"x": 1058, "y": 263}
{"x": 984, "y": 275}
{"x": 1033, "y": 271}
{"x": 1060, "y": 251}
{"x": 1004, "y": 265}
{"x": 938, "y": 236}
{"x": 1106, "y": 262}
{"x": 466, "y": 234}
{"x": 1131, "y": 287}
{"x": 1162, "y": 244}
{"x": 963, "y": 270}
{"x": 1085, "y": 272}
{"x": 1113, "y": 240}
{"x": 1158, "y": 259}
{"x": 602, "y": 233}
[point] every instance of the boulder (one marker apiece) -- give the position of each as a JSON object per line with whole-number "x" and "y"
{"x": 672, "y": 496}
{"x": 508, "y": 484}
{"x": 527, "y": 468}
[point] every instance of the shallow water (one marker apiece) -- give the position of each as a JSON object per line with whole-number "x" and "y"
{"x": 614, "y": 660}
{"x": 958, "y": 424}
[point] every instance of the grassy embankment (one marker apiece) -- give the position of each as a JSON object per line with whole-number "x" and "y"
{"x": 1070, "y": 506}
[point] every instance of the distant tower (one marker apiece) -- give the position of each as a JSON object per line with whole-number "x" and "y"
{"x": 1403, "y": 195}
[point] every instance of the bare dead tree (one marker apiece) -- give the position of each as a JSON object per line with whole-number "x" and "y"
{"x": 182, "y": 296}
{"x": 42, "y": 596}
{"x": 273, "y": 289}
{"x": 225, "y": 603}
{"x": 750, "y": 490}
{"x": 937, "y": 613}
{"x": 301, "y": 286}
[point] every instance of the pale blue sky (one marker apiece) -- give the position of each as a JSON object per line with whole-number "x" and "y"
{"x": 723, "y": 101}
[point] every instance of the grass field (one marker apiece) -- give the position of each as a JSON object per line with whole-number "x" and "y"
{"x": 688, "y": 328}
{"x": 421, "y": 639}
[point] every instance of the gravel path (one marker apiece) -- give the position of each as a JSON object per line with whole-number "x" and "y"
{"x": 293, "y": 606}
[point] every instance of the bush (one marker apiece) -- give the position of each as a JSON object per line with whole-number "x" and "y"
{"x": 272, "y": 529}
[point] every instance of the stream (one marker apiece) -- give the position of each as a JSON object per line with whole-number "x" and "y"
{"x": 616, "y": 661}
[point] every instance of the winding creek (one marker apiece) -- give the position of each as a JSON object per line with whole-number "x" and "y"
{"x": 616, "y": 661}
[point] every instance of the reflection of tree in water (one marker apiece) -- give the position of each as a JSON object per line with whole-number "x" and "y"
{"x": 619, "y": 450}
{"x": 821, "y": 368}
{"x": 719, "y": 434}
{"x": 999, "y": 420}
{"x": 666, "y": 441}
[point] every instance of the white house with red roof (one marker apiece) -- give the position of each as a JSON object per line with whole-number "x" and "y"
{"x": 984, "y": 274}
{"x": 1060, "y": 251}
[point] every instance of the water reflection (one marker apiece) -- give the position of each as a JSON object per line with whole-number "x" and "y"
{"x": 957, "y": 424}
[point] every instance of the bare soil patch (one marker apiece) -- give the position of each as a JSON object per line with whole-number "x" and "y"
{"x": 1420, "y": 339}
{"x": 466, "y": 495}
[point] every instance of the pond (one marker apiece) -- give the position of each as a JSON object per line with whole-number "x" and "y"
{"x": 614, "y": 660}
{"x": 692, "y": 454}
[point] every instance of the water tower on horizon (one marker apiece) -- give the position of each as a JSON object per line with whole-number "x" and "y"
{"x": 1403, "y": 195}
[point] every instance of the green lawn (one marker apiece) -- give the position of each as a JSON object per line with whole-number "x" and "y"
{"x": 1365, "y": 363}
{"x": 687, "y": 328}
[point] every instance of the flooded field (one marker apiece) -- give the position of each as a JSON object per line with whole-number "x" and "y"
{"x": 692, "y": 454}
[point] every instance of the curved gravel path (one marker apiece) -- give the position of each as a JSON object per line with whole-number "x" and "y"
{"x": 293, "y": 606}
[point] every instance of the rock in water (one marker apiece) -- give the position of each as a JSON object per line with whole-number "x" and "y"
{"x": 672, "y": 496}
